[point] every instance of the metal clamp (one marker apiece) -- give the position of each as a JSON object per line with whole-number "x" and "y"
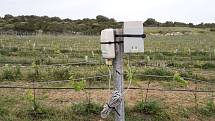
{"x": 131, "y": 35}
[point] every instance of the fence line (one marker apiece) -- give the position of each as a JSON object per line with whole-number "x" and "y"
{"x": 104, "y": 88}
{"x": 100, "y": 76}
{"x": 92, "y": 62}
{"x": 107, "y": 75}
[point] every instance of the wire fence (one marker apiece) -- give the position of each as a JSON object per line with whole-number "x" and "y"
{"x": 28, "y": 85}
{"x": 197, "y": 93}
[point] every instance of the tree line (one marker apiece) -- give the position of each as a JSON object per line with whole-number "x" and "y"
{"x": 56, "y": 25}
{"x": 150, "y": 22}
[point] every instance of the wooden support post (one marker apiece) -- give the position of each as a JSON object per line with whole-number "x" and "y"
{"x": 118, "y": 74}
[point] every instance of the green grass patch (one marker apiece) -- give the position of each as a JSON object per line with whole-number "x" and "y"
{"x": 152, "y": 110}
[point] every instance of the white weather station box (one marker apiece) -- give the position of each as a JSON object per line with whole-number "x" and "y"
{"x": 134, "y": 42}
{"x": 132, "y": 39}
{"x": 107, "y": 43}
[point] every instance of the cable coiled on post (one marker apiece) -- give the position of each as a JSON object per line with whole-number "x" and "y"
{"x": 116, "y": 97}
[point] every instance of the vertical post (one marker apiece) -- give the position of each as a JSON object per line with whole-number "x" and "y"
{"x": 118, "y": 74}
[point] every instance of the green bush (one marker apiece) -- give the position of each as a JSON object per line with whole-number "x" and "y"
{"x": 153, "y": 110}
{"x": 180, "y": 81}
{"x": 14, "y": 49}
{"x": 208, "y": 65}
{"x": 3, "y": 111}
{"x": 77, "y": 85}
{"x": 184, "y": 112}
{"x": 38, "y": 112}
{"x": 18, "y": 73}
{"x": 177, "y": 82}
{"x": 209, "y": 109}
{"x": 86, "y": 108}
{"x": 154, "y": 71}
{"x": 150, "y": 107}
{"x": 9, "y": 73}
{"x": 59, "y": 73}
{"x": 158, "y": 71}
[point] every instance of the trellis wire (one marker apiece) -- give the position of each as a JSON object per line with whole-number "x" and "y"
{"x": 105, "y": 88}
{"x": 107, "y": 75}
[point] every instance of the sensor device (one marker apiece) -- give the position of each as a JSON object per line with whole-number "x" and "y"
{"x": 107, "y": 43}
{"x": 133, "y": 37}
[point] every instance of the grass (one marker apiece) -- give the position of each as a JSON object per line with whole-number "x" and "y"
{"x": 208, "y": 109}
{"x": 191, "y": 54}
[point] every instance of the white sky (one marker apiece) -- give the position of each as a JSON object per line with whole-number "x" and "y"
{"x": 195, "y": 11}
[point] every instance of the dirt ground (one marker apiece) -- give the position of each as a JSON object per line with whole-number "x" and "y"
{"x": 64, "y": 97}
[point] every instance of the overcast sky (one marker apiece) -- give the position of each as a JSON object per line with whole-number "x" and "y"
{"x": 195, "y": 11}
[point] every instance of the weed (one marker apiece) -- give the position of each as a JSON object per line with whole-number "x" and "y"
{"x": 208, "y": 65}
{"x": 149, "y": 107}
{"x": 158, "y": 71}
{"x": 59, "y": 73}
{"x": 153, "y": 110}
{"x": 184, "y": 112}
{"x": 8, "y": 73}
{"x": 209, "y": 109}
{"x": 11, "y": 74}
{"x": 86, "y": 108}
{"x": 77, "y": 85}
{"x": 181, "y": 82}
{"x": 3, "y": 111}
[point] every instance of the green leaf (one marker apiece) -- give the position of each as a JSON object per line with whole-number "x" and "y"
{"x": 78, "y": 85}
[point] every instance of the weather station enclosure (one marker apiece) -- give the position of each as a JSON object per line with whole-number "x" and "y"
{"x": 133, "y": 43}
{"x": 115, "y": 42}
{"x": 107, "y": 43}
{"x": 132, "y": 39}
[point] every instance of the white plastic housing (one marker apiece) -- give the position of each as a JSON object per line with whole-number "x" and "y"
{"x": 108, "y": 50}
{"x": 133, "y": 44}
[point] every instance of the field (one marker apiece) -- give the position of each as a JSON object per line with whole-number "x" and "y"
{"x": 64, "y": 78}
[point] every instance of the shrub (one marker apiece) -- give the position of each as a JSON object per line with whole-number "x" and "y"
{"x": 9, "y": 73}
{"x": 59, "y": 73}
{"x": 39, "y": 112}
{"x": 176, "y": 82}
{"x": 180, "y": 81}
{"x": 141, "y": 75}
{"x": 14, "y": 49}
{"x": 18, "y": 73}
{"x": 209, "y": 109}
{"x": 77, "y": 85}
{"x": 35, "y": 110}
{"x": 158, "y": 71}
{"x": 86, "y": 108}
{"x": 3, "y": 111}
{"x": 208, "y": 65}
{"x": 150, "y": 107}
{"x": 184, "y": 112}
{"x": 212, "y": 29}
{"x": 153, "y": 109}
